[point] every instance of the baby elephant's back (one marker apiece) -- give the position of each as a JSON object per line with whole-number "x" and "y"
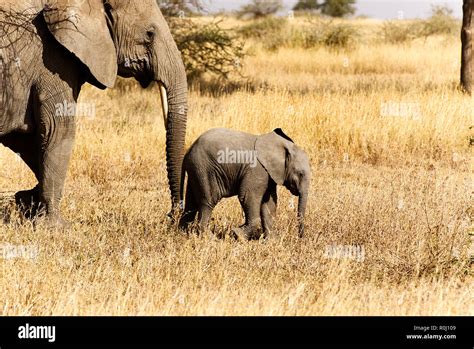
{"x": 217, "y": 140}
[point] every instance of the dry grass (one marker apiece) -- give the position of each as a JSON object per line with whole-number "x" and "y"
{"x": 398, "y": 188}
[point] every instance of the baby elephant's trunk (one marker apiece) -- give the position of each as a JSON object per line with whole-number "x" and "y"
{"x": 303, "y": 198}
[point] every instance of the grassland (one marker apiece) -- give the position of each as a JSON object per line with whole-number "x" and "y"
{"x": 388, "y": 136}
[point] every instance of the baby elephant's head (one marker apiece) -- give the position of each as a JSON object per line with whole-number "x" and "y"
{"x": 287, "y": 165}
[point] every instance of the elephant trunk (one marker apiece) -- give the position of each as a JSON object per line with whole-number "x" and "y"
{"x": 175, "y": 107}
{"x": 302, "y": 201}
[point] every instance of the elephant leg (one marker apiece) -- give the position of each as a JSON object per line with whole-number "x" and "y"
{"x": 56, "y": 137}
{"x": 251, "y": 202}
{"x": 268, "y": 209}
{"x": 190, "y": 209}
{"x": 207, "y": 195}
{"x": 25, "y": 145}
{"x": 205, "y": 213}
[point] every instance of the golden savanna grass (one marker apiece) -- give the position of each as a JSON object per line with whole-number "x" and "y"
{"x": 395, "y": 189}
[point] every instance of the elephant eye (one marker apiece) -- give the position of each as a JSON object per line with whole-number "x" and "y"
{"x": 150, "y": 35}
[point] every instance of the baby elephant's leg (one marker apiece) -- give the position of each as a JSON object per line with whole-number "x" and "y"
{"x": 205, "y": 213}
{"x": 190, "y": 209}
{"x": 268, "y": 209}
{"x": 251, "y": 202}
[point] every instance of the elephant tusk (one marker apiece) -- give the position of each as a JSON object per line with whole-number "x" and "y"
{"x": 164, "y": 102}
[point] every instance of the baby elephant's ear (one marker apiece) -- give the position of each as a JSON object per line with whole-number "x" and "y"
{"x": 272, "y": 152}
{"x": 280, "y": 132}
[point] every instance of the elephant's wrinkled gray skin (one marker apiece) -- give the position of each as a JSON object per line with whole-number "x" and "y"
{"x": 49, "y": 49}
{"x": 224, "y": 163}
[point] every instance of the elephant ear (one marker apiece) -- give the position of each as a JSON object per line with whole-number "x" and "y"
{"x": 274, "y": 152}
{"x": 81, "y": 27}
{"x": 280, "y": 132}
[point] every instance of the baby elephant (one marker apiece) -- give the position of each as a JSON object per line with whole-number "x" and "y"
{"x": 224, "y": 163}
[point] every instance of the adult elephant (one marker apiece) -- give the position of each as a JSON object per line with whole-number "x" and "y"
{"x": 49, "y": 49}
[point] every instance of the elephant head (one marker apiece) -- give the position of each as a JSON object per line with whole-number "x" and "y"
{"x": 287, "y": 165}
{"x": 129, "y": 38}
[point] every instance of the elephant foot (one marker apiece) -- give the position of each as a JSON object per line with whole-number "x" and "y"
{"x": 186, "y": 222}
{"x": 28, "y": 203}
{"x": 52, "y": 221}
{"x": 245, "y": 233}
{"x": 31, "y": 208}
{"x": 183, "y": 224}
{"x": 187, "y": 228}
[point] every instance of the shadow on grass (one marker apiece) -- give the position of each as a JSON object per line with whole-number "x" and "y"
{"x": 7, "y": 207}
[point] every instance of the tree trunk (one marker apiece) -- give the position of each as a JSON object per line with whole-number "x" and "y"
{"x": 467, "y": 61}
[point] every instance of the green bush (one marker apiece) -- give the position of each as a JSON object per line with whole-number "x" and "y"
{"x": 264, "y": 28}
{"x": 339, "y": 36}
{"x": 440, "y": 22}
{"x": 274, "y": 33}
{"x": 307, "y": 6}
{"x": 338, "y": 8}
{"x": 260, "y": 8}
{"x": 329, "y": 34}
{"x": 396, "y": 32}
{"x": 207, "y": 48}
